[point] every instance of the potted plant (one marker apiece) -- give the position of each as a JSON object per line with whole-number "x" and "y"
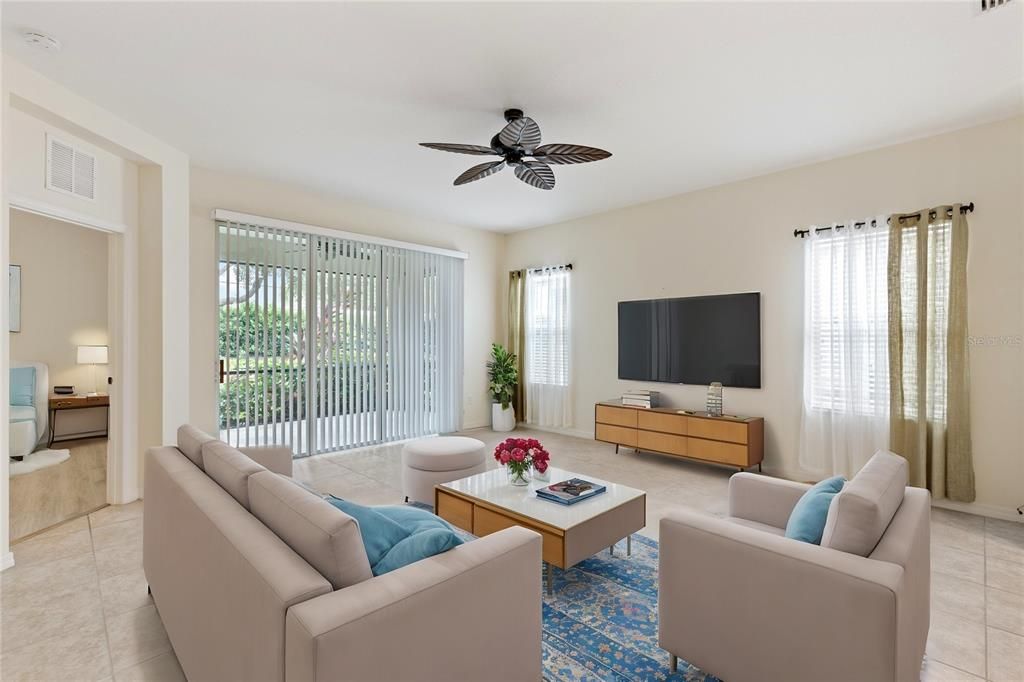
{"x": 503, "y": 376}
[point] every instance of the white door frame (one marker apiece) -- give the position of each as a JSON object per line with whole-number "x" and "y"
{"x": 122, "y": 278}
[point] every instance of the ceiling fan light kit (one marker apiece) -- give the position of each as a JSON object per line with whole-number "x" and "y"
{"x": 519, "y": 146}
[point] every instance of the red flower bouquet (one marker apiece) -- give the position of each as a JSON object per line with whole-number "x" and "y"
{"x": 519, "y": 455}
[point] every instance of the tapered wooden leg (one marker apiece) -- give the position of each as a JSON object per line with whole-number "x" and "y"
{"x": 549, "y": 569}
{"x": 673, "y": 663}
{"x": 629, "y": 545}
{"x": 611, "y": 550}
{"x": 616, "y": 448}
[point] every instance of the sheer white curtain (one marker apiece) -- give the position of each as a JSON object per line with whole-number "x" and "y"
{"x": 846, "y": 344}
{"x": 548, "y": 338}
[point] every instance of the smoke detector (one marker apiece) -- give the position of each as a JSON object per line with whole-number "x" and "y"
{"x": 41, "y": 41}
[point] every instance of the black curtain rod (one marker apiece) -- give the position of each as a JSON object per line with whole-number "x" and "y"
{"x": 567, "y": 266}
{"x": 965, "y": 208}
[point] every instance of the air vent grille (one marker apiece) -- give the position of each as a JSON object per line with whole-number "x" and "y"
{"x": 70, "y": 170}
{"x": 986, "y": 5}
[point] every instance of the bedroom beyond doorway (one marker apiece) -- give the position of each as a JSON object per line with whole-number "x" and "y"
{"x": 59, "y": 341}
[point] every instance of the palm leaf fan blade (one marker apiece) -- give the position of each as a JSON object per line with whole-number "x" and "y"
{"x": 480, "y": 171}
{"x": 536, "y": 174}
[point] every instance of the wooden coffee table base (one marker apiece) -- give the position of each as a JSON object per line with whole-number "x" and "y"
{"x": 562, "y": 547}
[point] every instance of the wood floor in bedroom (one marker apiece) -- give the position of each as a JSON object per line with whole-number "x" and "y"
{"x": 49, "y": 496}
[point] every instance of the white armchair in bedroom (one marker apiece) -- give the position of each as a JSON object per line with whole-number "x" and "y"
{"x": 28, "y": 423}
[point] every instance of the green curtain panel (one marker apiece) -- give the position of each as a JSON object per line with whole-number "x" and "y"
{"x": 928, "y": 364}
{"x": 517, "y": 336}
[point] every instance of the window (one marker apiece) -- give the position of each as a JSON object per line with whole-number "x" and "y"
{"x": 547, "y": 327}
{"x": 846, "y": 350}
{"x": 548, "y": 346}
{"x": 846, "y": 323}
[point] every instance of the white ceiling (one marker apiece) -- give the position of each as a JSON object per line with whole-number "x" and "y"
{"x": 335, "y": 96}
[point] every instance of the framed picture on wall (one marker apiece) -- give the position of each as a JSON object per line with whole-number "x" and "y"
{"x": 14, "y": 288}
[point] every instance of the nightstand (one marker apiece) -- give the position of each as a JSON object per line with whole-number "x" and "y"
{"x": 59, "y": 403}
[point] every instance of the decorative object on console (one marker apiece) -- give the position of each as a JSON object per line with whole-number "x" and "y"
{"x": 640, "y": 398}
{"x": 713, "y": 405}
{"x": 519, "y": 455}
{"x": 64, "y": 390}
{"x": 503, "y": 376}
{"x": 92, "y": 355}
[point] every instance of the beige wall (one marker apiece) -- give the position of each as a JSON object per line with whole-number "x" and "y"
{"x": 738, "y": 237}
{"x": 63, "y": 296}
{"x": 25, "y": 149}
{"x": 483, "y": 272}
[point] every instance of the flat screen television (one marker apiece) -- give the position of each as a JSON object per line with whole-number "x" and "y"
{"x": 693, "y": 340}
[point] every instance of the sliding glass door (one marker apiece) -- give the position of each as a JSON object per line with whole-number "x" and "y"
{"x": 329, "y": 343}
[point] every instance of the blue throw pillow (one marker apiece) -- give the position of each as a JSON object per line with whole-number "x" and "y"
{"x": 413, "y": 519}
{"x": 23, "y": 386}
{"x": 379, "y": 532}
{"x": 420, "y": 545}
{"x": 807, "y": 520}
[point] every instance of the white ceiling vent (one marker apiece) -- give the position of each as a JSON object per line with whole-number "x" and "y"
{"x": 987, "y": 5}
{"x": 70, "y": 170}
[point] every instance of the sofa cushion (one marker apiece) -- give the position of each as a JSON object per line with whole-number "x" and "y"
{"x": 23, "y": 386}
{"x": 191, "y": 441}
{"x": 860, "y": 513}
{"x": 230, "y": 469}
{"x": 807, "y": 520}
{"x": 326, "y": 537}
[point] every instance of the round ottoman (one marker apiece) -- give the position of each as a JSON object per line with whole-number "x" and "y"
{"x": 430, "y": 461}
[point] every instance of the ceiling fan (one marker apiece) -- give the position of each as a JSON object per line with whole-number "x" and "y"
{"x": 518, "y": 145}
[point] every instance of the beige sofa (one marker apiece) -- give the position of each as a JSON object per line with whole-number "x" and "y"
{"x": 241, "y": 601}
{"x": 744, "y": 603}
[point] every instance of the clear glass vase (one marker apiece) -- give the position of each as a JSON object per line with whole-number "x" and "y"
{"x": 518, "y": 476}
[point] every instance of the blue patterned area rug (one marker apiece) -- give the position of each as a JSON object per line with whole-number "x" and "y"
{"x": 601, "y": 623}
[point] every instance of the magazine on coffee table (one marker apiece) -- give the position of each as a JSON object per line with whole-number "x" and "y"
{"x": 571, "y": 491}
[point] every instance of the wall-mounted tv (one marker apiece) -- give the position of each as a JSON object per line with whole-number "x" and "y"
{"x": 693, "y": 340}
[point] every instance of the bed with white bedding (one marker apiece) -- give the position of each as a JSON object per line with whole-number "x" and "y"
{"x": 28, "y": 422}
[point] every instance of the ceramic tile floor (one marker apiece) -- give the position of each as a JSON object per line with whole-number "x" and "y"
{"x": 74, "y": 607}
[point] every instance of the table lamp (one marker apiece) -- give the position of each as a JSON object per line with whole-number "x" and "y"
{"x": 92, "y": 355}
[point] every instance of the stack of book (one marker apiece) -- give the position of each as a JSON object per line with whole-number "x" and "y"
{"x": 640, "y": 398}
{"x": 570, "y": 492}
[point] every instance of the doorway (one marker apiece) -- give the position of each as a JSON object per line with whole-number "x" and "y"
{"x": 61, "y": 347}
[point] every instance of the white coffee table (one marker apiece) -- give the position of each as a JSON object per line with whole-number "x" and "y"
{"x": 486, "y": 503}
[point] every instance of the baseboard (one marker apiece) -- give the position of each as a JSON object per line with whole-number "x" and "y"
{"x": 8, "y": 561}
{"x": 980, "y": 510}
{"x": 575, "y": 433}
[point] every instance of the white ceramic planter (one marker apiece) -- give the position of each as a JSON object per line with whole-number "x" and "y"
{"x": 502, "y": 419}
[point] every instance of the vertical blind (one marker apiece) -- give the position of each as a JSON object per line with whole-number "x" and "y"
{"x": 329, "y": 343}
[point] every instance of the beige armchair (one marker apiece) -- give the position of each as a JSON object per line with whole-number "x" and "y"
{"x": 743, "y": 602}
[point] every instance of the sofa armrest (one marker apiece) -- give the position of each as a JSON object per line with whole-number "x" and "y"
{"x": 449, "y": 617}
{"x": 277, "y": 458}
{"x": 796, "y": 611}
{"x": 763, "y": 499}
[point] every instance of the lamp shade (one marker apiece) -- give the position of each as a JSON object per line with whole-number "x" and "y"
{"x": 92, "y": 355}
